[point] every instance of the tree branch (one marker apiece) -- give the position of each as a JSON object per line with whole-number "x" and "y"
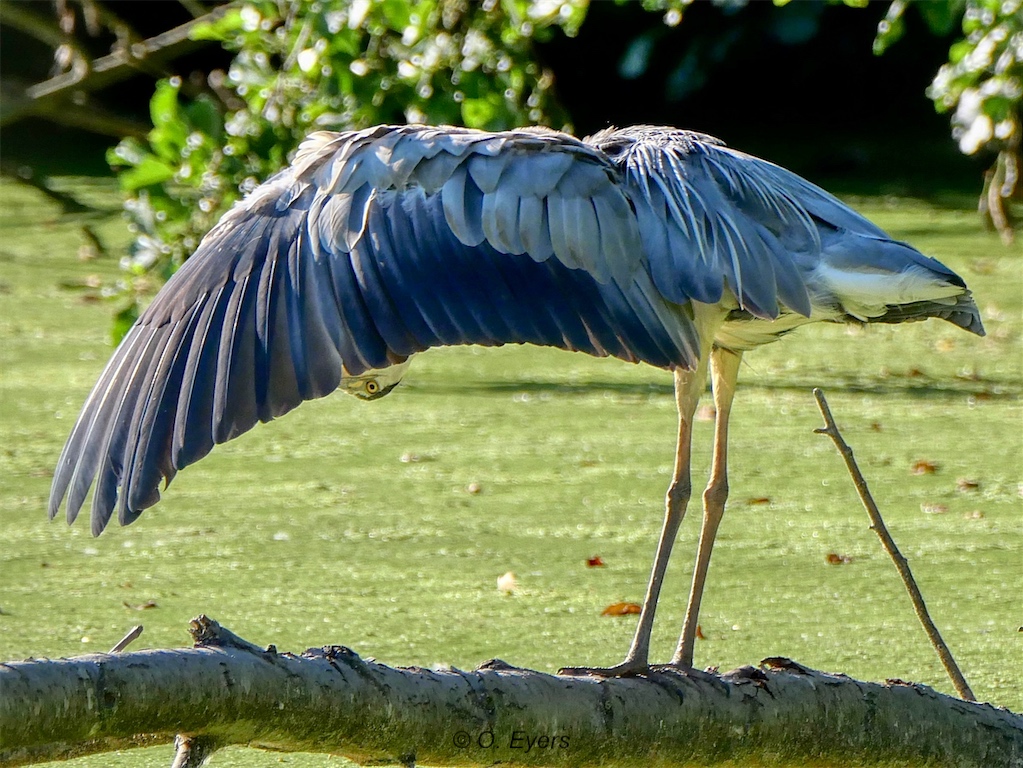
{"x": 1001, "y": 183}
{"x": 901, "y": 564}
{"x": 45, "y": 97}
{"x": 228, "y": 691}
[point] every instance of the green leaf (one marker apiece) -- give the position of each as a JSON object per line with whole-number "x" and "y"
{"x": 163, "y": 107}
{"x": 128, "y": 152}
{"x": 998, "y": 108}
{"x": 959, "y": 51}
{"x": 146, "y": 173}
{"x": 478, "y": 113}
{"x": 203, "y": 116}
{"x": 222, "y": 29}
{"x": 397, "y": 13}
{"x": 941, "y": 17}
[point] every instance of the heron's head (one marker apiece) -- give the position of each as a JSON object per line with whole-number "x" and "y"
{"x": 374, "y": 383}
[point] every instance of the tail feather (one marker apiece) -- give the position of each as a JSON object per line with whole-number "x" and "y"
{"x": 876, "y": 280}
{"x": 963, "y": 313}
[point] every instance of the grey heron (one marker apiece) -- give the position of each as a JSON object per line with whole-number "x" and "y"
{"x": 649, "y": 244}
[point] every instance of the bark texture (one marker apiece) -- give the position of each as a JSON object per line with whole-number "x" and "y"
{"x": 227, "y": 691}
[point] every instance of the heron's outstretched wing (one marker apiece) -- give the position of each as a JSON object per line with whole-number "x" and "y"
{"x": 374, "y": 245}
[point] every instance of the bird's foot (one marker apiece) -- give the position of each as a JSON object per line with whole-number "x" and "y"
{"x": 628, "y": 668}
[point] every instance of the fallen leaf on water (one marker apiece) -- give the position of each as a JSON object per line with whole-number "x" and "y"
{"x": 923, "y": 467}
{"x": 966, "y": 484}
{"x": 621, "y": 609}
{"x": 931, "y": 508}
{"x": 507, "y": 583}
{"x": 834, "y": 558}
{"x": 699, "y": 633}
{"x": 142, "y": 606}
{"x": 595, "y": 562}
{"x": 706, "y": 412}
{"x": 758, "y": 500}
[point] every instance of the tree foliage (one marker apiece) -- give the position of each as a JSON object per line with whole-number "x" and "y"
{"x": 982, "y": 85}
{"x": 299, "y": 67}
{"x": 983, "y": 79}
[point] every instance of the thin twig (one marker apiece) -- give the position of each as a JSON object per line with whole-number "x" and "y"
{"x": 148, "y": 55}
{"x": 902, "y": 566}
{"x": 129, "y": 638}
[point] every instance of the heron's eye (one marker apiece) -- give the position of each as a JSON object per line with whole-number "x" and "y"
{"x": 372, "y": 387}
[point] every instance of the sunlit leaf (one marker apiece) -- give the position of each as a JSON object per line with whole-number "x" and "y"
{"x": 220, "y": 29}
{"x": 621, "y": 609}
{"x": 833, "y": 558}
{"x": 148, "y": 172}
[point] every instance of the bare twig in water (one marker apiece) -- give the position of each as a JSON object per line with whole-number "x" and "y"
{"x": 902, "y": 566}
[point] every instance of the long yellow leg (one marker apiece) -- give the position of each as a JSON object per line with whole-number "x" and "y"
{"x": 689, "y": 386}
{"x": 724, "y": 374}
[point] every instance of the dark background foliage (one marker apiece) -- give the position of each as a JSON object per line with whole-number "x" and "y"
{"x": 798, "y": 82}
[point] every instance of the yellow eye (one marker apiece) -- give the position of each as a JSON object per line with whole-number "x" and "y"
{"x": 372, "y": 387}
